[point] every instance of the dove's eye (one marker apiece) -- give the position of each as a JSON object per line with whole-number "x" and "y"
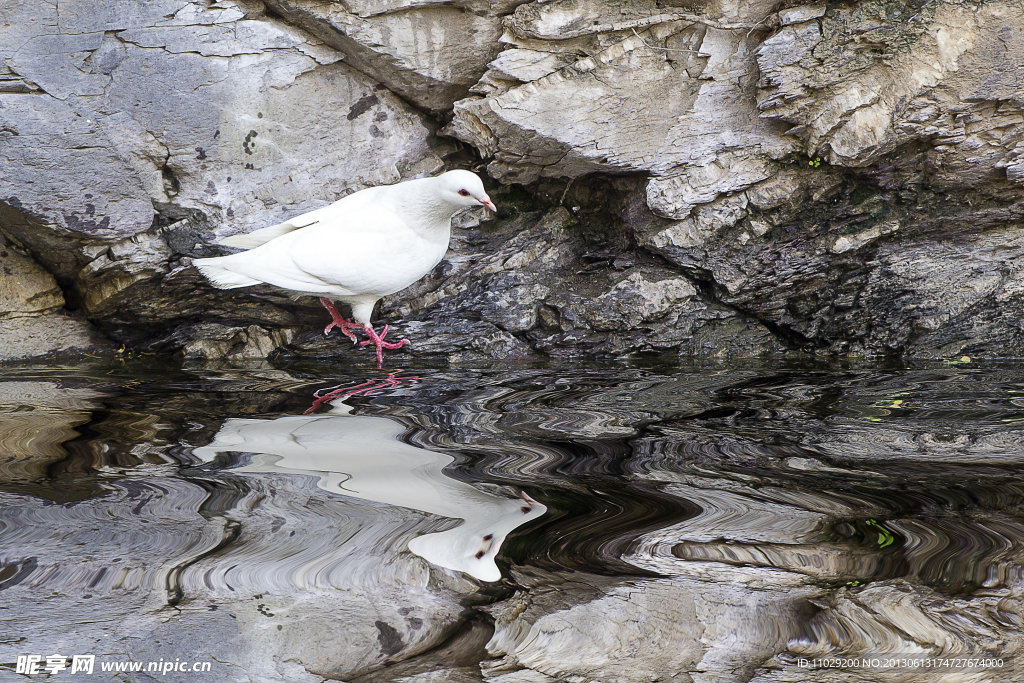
{"x": 464, "y": 193}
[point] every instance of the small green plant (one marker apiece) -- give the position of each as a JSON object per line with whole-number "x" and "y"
{"x": 885, "y": 536}
{"x": 815, "y": 162}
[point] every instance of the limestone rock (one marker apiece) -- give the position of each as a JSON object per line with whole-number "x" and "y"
{"x": 837, "y": 178}
{"x": 31, "y": 311}
{"x": 62, "y": 183}
{"x": 218, "y": 341}
{"x": 798, "y": 15}
{"x": 429, "y": 52}
{"x": 633, "y": 301}
{"x": 251, "y": 96}
{"x": 25, "y": 288}
{"x": 52, "y": 335}
{"x": 689, "y": 65}
{"x": 859, "y": 82}
{"x": 835, "y": 265}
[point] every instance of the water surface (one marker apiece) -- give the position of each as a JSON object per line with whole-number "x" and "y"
{"x": 574, "y": 523}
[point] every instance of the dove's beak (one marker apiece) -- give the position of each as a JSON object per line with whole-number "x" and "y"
{"x": 486, "y": 201}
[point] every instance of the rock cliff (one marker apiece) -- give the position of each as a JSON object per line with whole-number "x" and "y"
{"x": 714, "y": 178}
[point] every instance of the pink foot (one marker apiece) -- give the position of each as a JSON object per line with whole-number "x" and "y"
{"x": 339, "y": 322}
{"x": 378, "y": 341}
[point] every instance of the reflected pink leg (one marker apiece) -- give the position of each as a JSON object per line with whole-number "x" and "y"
{"x": 364, "y": 389}
{"x": 339, "y": 322}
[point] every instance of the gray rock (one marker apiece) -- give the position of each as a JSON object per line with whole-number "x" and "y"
{"x": 62, "y": 184}
{"x": 152, "y": 133}
{"x": 867, "y": 81}
{"x": 838, "y": 180}
{"x": 798, "y": 15}
{"x": 52, "y": 336}
{"x": 685, "y": 142}
{"x": 31, "y": 310}
{"x": 428, "y": 52}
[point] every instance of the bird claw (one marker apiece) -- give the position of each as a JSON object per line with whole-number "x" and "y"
{"x": 378, "y": 341}
{"x": 337, "y": 321}
{"x": 387, "y": 345}
{"x": 346, "y": 327}
{"x": 384, "y": 344}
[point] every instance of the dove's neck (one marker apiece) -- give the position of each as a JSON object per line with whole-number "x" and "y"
{"x": 418, "y": 203}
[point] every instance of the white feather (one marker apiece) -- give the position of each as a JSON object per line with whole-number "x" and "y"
{"x": 260, "y": 237}
{"x": 221, "y": 277}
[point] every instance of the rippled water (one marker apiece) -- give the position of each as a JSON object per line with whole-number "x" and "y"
{"x": 529, "y": 524}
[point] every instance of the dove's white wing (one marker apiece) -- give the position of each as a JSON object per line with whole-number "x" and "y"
{"x": 260, "y": 237}
{"x": 367, "y": 250}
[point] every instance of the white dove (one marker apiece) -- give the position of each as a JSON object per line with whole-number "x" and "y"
{"x": 370, "y": 244}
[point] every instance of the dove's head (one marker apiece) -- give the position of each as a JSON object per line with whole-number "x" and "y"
{"x": 463, "y": 188}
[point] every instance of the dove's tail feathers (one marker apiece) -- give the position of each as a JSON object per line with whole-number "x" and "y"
{"x": 258, "y": 238}
{"x": 220, "y": 276}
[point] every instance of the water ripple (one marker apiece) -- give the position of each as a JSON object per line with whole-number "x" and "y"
{"x": 869, "y": 511}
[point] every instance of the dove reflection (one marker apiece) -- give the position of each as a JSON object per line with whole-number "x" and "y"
{"x": 362, "y": 456}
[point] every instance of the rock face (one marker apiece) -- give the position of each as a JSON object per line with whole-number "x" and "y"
{"x": 428, "y": 52}
{"x": 735, "y": 178}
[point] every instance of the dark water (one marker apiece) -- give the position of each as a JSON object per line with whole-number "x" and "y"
{"x": 867, "y": 510}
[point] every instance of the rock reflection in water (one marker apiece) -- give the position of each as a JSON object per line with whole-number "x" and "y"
{"x": 362, "y": 456}
{"x": 708, "y": 526}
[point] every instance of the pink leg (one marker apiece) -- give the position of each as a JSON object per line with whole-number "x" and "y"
{"x": 378, "y": 341}
{"x": 337, "y": 321}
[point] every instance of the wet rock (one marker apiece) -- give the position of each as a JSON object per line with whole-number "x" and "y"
{"x": 457, "y": 340}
